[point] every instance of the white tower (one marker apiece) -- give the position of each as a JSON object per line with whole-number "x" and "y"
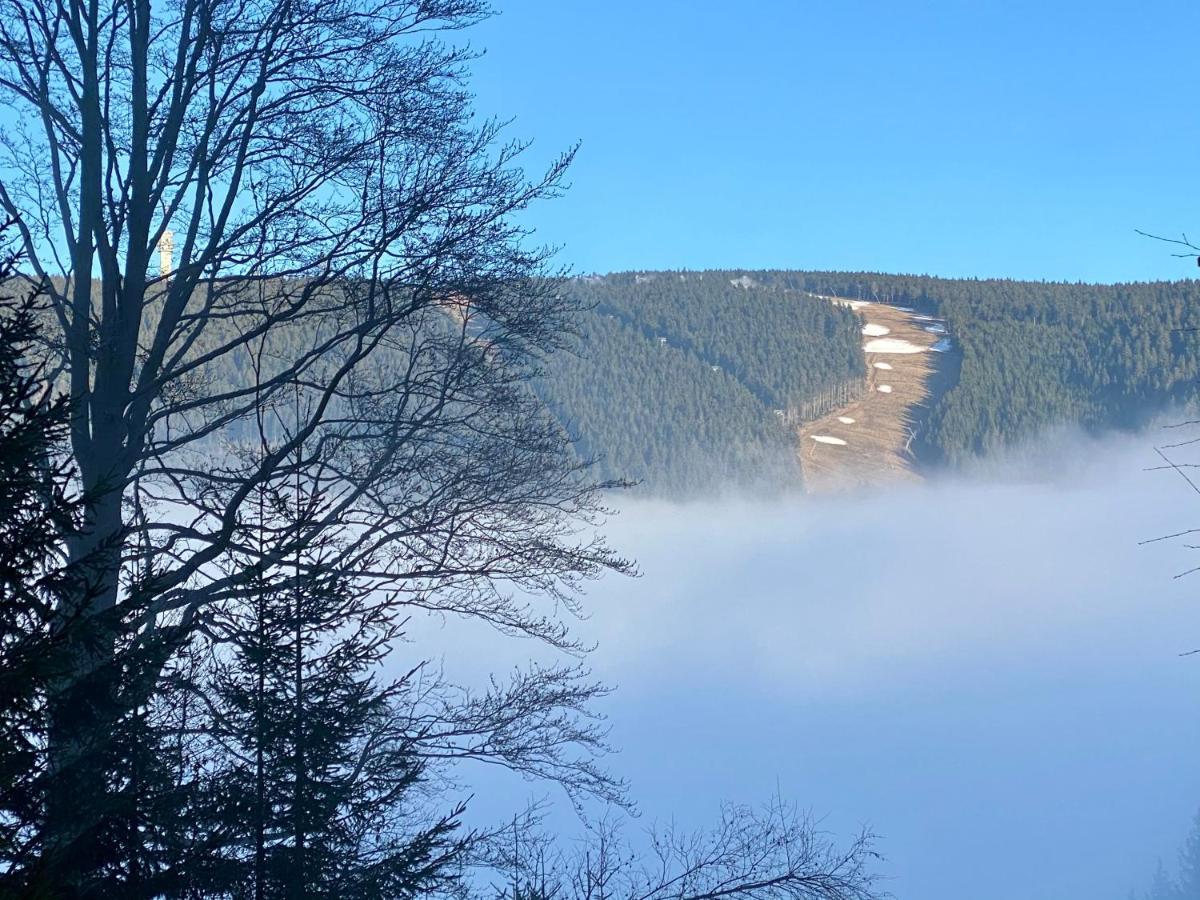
{"x": 166, "y": 253}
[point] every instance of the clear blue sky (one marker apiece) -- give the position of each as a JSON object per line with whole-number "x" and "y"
{"x": 1022, "y": 139}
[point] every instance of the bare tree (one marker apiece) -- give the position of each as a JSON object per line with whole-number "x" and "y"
{"x": 329, "y": 217}
{"x": 317, "y": 166}
{"x": 773, "y": 853}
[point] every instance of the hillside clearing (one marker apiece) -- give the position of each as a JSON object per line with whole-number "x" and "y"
{"x": 879, "y": 451}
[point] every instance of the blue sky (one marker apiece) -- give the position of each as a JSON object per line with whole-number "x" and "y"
{"x": 1011, "y": 139}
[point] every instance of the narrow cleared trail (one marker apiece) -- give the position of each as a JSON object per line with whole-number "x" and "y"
{"x": 876, "y": 429}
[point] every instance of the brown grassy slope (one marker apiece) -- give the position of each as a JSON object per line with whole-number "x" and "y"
{"x": 876, "y": 450}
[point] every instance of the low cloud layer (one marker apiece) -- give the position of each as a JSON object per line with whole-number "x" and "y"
{"x": 849, "y": 593}
{"x": 984, "y": 667}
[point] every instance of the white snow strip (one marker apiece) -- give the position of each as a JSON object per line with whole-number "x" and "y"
{"x": 887, "y": 367}
{"x": 826, "y": 439}
{"x": 884, "y": 388}
{"x": 845, "y": 420}
{"x": 842, "y": 301}
{"x": 873, "y": 330}
{"x": 891, "y": 345}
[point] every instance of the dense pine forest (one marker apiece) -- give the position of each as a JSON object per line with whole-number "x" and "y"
{"x": 689, "y": 382}
{"x": 1040, "y": 354}
{"x": 693, "y": 383}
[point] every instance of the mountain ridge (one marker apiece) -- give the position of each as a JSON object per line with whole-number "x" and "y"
{"x": 1028, "y": 355}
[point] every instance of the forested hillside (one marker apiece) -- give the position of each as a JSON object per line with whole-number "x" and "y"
{"x": 693, "y": 383}
{"x": 1038, "y": 354}
{"x": 689, "y": 383}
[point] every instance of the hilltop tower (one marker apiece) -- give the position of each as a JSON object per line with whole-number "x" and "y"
{"x": 166, "y": 253}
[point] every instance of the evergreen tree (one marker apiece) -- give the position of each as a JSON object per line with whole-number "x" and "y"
{"x": 1162, "y": 887}
{"x": 1189, "y": 864}
{"x": 321, "y": 785}
{"x": 38, "y": 510}
{"x": 127, "y": 835}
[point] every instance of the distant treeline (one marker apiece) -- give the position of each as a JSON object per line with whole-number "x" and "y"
{"x": 689, "y": 383}
{"x": 1038, "y": 354}
{"x": 693, "y": 383}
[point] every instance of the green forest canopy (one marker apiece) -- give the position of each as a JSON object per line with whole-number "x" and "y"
{"x": 685, "y": 382}
{"x": 690, "y": 382}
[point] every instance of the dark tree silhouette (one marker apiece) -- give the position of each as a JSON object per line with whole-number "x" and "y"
{"x": 321, "y": 785}
{"x": 773, "y": 853}
{"x": 333, "y": 218}
{"x": 39, "y": 510}
{"x": 126, "y": 821}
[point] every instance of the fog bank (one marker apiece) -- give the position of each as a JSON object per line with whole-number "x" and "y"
{"x": 987, "y": 669}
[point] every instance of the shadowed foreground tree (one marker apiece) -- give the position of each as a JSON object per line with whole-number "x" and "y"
{"x": 123, "y": 771}
{"x": 328, "y": 193}
{"x": 38, "y": 509}
{"x": 321, "y": 792}
{"x": 342, "y": 225}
